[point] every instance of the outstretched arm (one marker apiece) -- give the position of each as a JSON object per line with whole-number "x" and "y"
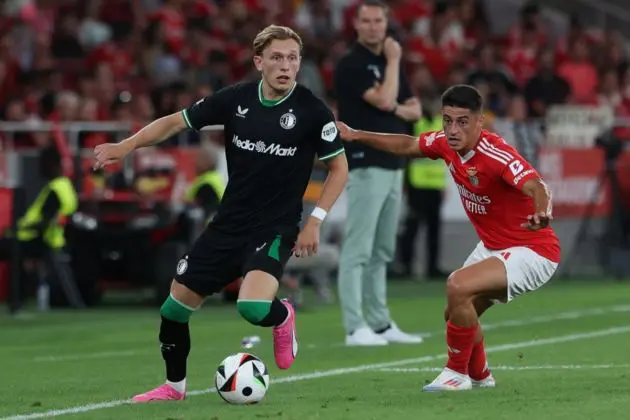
{"x": 398, "y": 144}
{"x": 207, "y": 111}
{"x": 158, "y": 131}
{"x": 154, "y": 133}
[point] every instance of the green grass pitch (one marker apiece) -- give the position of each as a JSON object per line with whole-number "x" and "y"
{"x": 559, "y": 353}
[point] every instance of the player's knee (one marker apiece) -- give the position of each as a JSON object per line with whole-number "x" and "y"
{"x": 455, "y": 286}
{"x": 254, "y": 311}
{"x": 447, "y": 314}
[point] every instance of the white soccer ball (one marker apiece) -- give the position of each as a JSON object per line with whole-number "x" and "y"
{"x": 242, "y": 378}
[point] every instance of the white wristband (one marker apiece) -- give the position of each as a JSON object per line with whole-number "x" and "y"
{"x": 319, "y": 213}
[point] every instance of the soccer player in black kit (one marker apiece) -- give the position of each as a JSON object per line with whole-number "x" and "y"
{"x": 274, "y": 129}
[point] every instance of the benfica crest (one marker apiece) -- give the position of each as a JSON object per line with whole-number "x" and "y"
{"x": 472, "y": 175}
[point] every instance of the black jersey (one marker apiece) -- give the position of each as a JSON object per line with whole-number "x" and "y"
{"x": 270, "y": 150}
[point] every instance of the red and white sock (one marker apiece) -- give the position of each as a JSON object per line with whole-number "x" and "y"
{"x": 460, "y": 342}
{"x": 478, "y": 365}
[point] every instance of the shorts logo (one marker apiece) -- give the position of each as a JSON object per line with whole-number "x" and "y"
{"x": 472, "y": 175}
{"x": 329, "y": 132}
{"x": 506, "y": 255}
{"x": 182, "y": 266}
{"x": 288, "y": 120}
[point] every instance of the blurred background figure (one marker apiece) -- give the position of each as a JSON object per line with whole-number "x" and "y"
{"x": 425, "y": 183}
{"x": 208, "y": 186}
{"x": 373, "y": 94}
{"x": 518, "y": 131}
{"x": 40, "y": 231}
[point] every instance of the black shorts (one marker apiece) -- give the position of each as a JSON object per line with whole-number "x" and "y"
{"x": 216, "y": 259}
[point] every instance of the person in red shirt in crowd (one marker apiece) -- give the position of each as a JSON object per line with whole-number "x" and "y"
{"x": 509, "y": 205}
{"x": 576, "y": 32}
{"x": 522, "y": 59}
{"x": 474, "y": 21}
{"x": 580, "y": 73}
{"x": 529, "y": 17}
{"x": 438, "y": 40}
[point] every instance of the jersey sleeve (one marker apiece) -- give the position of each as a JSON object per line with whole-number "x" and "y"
{"x": 328, "y": 142}
{"x": 431, "y": 144}
{"x": 210, "y": 110}
{"x": 518, "y": 171}
{"x": 515, "y": 170}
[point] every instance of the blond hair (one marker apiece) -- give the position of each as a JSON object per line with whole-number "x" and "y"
{"x": 272, "y": 33}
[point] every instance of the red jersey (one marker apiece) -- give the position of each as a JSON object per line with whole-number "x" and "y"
{"x": 489, "y": 180}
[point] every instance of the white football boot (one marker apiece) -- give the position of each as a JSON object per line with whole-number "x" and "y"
{"x": 364, "y": 336}
{"x": 449, "y": 380}
{"x": 394, "y": 335}
{"x": 489, "y": 382}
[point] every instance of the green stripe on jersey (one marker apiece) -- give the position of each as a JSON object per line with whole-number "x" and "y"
{"x": 186, "y": 119}
{"x": 333, "y": 154}
{"x": 272, "y": 102}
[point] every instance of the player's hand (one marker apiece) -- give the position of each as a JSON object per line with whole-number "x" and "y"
{"x": 537, "y": 221}
{"x": 392, "y": 49}
{"x": 346, "y": 133}
{"x": 108, "y": 153}
{"x": 307, "y": 243}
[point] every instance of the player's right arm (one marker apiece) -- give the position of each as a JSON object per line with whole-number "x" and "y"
{"x": 398, "y": 144}
{"x": 154, "y": 133}
{"x": 207, "y": 111}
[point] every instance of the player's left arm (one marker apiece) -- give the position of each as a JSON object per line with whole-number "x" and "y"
{"x": 520, "y": 174}
{"x": 329, "y": 150}
{"x": 334, "y": 184}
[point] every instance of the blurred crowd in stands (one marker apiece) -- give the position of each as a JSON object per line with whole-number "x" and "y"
{"x": 102, "y": 60}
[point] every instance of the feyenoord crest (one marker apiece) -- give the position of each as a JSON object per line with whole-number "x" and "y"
{"x": 288, "y": 120}
{"x": 472, "y": 175}
{"x": 182, "y": 266}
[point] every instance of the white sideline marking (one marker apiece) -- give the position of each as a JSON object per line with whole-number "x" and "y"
{"x": 340, "y": 371}
{"x": 510, "y": 368}
{"x": 487, "y": 327}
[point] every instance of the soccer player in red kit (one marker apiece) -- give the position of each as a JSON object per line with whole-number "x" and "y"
{"x": 510, "y": 207}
